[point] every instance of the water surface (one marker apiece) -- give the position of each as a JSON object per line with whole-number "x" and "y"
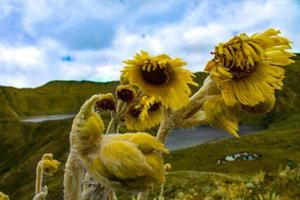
{"x": 182, "y": 138}
{"x": 178, "y": 139}
{"x": 43, "y": 118}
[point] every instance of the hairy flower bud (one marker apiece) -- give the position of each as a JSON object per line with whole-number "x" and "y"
{"x": 126, "y": 93}
{"x": 106, "y": 102}
{"x": 49, "y": 165}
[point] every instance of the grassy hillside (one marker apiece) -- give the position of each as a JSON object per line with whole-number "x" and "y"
{"x": 56, "y": 97}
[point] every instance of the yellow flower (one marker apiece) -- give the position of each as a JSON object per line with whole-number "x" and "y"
{"x": 106, "y": 102}
{"x": 151, "y": 112}
{"x": 143, "y": 115}
{"x": 48, "y": 164}
{"x": 263, "y": 107}
{"x": 247, "y": 68}
{"x": 3, "y": 196}
{"x": 160, "y": 76}
{"x": 132, "y": 118}
{"x": 219, "y": 115}
{"x": 126, "y": 93}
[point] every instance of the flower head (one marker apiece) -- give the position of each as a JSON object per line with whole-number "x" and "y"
{"x": 126, "y": 93}
{"x": 106, "y": 102}
{"x": 132, "y": 117}
{"x": 49, "y": 165}
{"x": 219, "y": 115}
{"x": 246, "y": 68}
{"x": 160, "y": 76}
{"x": 151, "y": 110}
{"x": 143, "y": 115}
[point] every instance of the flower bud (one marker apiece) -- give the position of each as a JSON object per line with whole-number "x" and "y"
{"x": 49, "y": 165}
{"x": 126, "y": 93}
{"x": 106, "y": 102}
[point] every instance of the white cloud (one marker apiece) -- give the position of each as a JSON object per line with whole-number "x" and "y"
{"x": 21, "y": 57}
{"x": 192, "y": 36}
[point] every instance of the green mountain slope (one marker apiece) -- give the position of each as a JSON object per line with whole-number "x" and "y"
{"x": 56, "y": 97}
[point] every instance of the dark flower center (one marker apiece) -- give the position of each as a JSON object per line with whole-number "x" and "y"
{"x": 135, "y": 112}
{"x": 239, "y": 73}
{"x": 157, "y": 76}
{"x": 125, "y": 95}
{"x": 154, "y": 107}
{"x": 105, "y": 104}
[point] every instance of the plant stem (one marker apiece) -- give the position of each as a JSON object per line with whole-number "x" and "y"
{"x": 166, "y": 125}
{"x": 143, "y": 195}
{"x": 112, "y": 126}
{"x": 39, "y": 178}
{"x": 74, "y": 173}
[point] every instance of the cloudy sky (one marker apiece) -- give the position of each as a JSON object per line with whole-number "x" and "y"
{"x": 43, "y": 40}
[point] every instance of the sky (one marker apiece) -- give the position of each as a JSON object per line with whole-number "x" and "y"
{"x": 44, "y": 40}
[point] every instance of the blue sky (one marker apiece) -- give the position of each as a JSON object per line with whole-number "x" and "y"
{"x": 43, "y": 40}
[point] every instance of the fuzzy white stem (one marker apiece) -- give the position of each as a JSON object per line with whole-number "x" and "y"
{"x": 39, "y": 178}
{"x": 166, "y": 125}
{"x": 42, "y": 195}
{"x": 74, "y": 173}
{"x": 143, "y": 195}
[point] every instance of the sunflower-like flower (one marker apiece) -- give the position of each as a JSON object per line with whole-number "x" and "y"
{"x": 3, "y": 196}
{"x": 160, "y": 76}
{"x": 143, "y": 115}
{"x": 48, "y": 164}
{"x": 152, "y": 111}
{"x": 247, "y": 68}
{"x": 126, "y": 93}
{"x": 219, "y": 115}
{"x": 106, "y": 102}
{"x": 132, "y": 117}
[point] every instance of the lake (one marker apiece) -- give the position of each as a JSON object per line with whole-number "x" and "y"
{"x": 178, "y": 139}
{"x": 43, "y": 118}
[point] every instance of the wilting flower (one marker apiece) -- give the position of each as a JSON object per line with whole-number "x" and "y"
{"x": 132, "y": 117}
{"x": 48, "y": 164}
{"x": 219, "y": 115}
{"x": 106, "y": 102}
{"x": 126, "y": 93}
{"x": 247, "y": 69}
{"x": 3, "y": 196}
{"x": 160, "y": 76}
{"x": 151, "y": 110}
{"x": 143, "y": 115}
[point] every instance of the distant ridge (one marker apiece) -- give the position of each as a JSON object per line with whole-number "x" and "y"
{"x": 62, "y": 97}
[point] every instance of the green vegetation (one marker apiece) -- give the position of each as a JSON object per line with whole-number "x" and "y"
{"x": 23, "y": 144}
{"x": 56, "y": 97}
{"x": 277, "y": 146}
